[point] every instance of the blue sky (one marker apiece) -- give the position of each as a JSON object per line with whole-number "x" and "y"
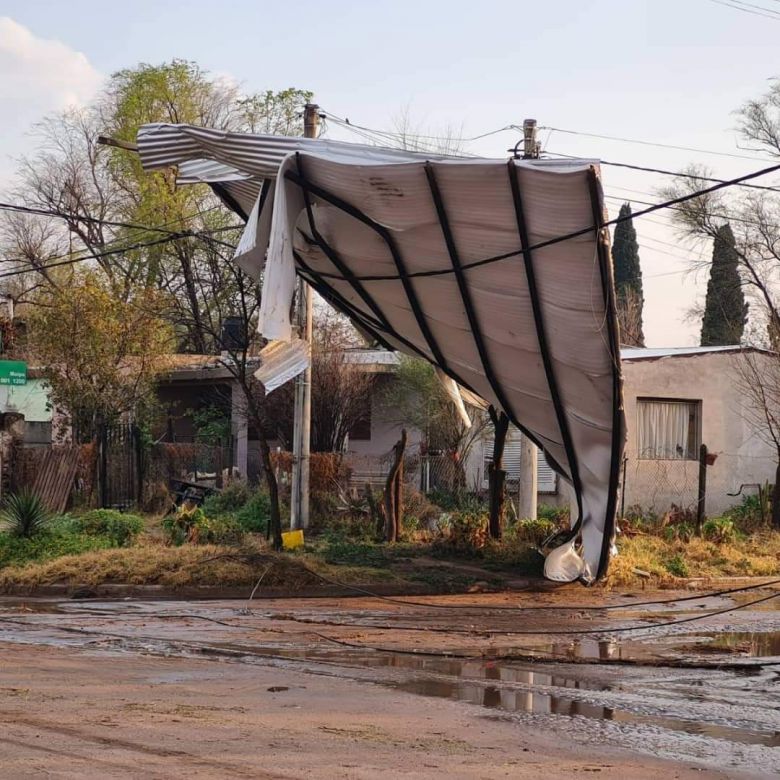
{"x": 670, "y": 72}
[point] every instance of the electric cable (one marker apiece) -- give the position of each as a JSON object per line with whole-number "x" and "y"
{"x": 651, "y": 143}
{"x": 570, "y": 608}
{"x": 565, "y": 237}
{"x": 541, "y": 631}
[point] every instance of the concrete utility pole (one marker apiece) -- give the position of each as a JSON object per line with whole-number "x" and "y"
{"x": 528, "y": 485}
{"x": 299, "y": 511}
{"x": 530, "y": 144}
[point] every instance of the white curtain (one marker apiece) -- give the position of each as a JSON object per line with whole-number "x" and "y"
{"x": 663, "y": 429}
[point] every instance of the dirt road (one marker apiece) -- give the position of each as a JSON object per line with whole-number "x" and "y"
{"x": 207, "y": 689}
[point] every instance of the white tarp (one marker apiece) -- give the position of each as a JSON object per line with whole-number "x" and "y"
{"x": 456, "y": 260}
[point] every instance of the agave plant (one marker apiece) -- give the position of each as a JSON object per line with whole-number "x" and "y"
{"x": 24, "y": 514}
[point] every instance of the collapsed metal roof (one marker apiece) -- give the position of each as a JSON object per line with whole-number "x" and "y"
{"x": 495, "y": 271}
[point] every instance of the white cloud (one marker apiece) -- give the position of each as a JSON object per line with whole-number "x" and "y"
{"x": 37, "y": 76}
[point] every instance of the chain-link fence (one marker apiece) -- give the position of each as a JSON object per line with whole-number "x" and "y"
{"x": 660, "y": 486}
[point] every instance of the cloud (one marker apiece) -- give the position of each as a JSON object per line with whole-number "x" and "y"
{"x": 37, "y": 76}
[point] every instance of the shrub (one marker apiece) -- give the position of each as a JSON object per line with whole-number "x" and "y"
{"x": 719, "y": 529}
{"x": 24, "y": 514}
{"x": 232, "y": 498}
{"x": 558, "y": 515}
{"x": 255, "y": 514}
{"x": 751, "y": 515}
{"x": 51, "y": 542}
{"x": 531, "y": 532}
{"x": 120, "y": 528}
{"x": 191, "y": 525}
{"x": 677, "y": 566}
{"x": 681, "y": 532}
{"x": 464, "y": 532}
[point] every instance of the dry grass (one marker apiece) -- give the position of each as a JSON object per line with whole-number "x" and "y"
{"x": 669, "y": 561}
{"x": 189, "y": 565}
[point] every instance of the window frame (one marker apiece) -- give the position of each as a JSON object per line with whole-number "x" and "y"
{"x": 693, "y": 446}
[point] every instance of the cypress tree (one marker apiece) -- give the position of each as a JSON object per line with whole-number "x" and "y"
{"x": 628, "y": 279}
{"x": 725, "y": 310}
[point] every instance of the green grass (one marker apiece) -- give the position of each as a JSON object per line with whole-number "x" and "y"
{"x": 47, "y": 545}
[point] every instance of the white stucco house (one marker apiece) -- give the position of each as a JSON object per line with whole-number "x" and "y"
{"x": 675, "y": 400}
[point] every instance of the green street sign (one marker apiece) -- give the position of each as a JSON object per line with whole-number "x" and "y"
{"x": 13, "y": 372}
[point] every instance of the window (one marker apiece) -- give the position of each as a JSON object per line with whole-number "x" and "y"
{"x": 546, "y": 478}
{"x": 668, "y": 429}
{"x": 361, "y": 428}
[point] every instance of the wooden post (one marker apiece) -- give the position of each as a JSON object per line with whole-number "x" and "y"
{"x": 392, "y": 497}
{"x": 702, "y": 487}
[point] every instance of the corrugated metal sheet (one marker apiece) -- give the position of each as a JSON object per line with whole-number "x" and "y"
{"x": 496, "y": 271}
{"x": 281, "y": 362}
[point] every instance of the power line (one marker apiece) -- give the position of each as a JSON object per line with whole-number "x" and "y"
{"x": 565, "y": 237}
{"x": 652, "y": 143}
{"x": 401, "y": 136}
{"x": 22, "y": 209}
{"x": 725, "y": 4}
{"x": 663, "y": 172}
{"x": 96, "y": 255}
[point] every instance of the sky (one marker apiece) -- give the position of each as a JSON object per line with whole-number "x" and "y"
{"x": 662, "y": 71}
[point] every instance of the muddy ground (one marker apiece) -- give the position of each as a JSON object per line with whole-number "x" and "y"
{"x": 472, "y": 686}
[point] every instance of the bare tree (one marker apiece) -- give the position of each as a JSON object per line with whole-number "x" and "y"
{"x": 759, "y": 384}
{"x": 753, "y": 212}
{"x": 341, "y": 387}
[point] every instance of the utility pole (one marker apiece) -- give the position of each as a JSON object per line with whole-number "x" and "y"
{"x": 528, "y": 486}
{"x": 530, "y": 144}
{"x": 299, "y": 511}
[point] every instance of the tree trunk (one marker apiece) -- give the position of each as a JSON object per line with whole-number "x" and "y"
{"x": 392, "y": 497}
{"x": 776, "y": 497}
{"x": 496, "y": 474}
{"x": 275, "y": 519}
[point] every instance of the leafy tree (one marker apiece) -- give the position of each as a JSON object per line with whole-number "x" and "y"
{"x": 101, "y": 352}
{"x": 725, "y": 311}
{"x": 628, "y": 279}
{"x": 418, "y": 399}
{"x": 193, "y": 276}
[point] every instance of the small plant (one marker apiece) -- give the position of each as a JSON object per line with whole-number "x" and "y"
{"x": 681, "y": 532}
{"x": 719, "y": 530}
{"x": 120, "y": 528}
{"x": 532, "y": 532}
{"x": 677, "y": 566}
{"x": 557, "y": 515}
{"x": 24, "y": 514}
{"x": 191, "y": 525}
{"x": 464, "y": 532}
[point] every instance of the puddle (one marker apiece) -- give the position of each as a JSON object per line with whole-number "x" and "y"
{"x": 496, "y": 697}
{"x": 753, "y": 644}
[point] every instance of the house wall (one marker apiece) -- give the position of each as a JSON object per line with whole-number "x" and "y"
{"x": 369, "y": 458}
{"x": 741, "y": 454}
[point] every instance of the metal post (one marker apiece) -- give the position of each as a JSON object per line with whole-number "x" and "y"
{"x": 299, "y": 509}
{"x": 623, "y": 490}
{"x": 702, "y": 487}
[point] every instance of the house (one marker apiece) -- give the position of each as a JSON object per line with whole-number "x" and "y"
{"x": 675, "y": 400}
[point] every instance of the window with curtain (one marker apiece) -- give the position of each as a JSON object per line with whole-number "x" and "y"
{"x": 668, "y": 429}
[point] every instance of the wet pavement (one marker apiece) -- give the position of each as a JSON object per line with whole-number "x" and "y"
{"x": 704, "y": 691}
